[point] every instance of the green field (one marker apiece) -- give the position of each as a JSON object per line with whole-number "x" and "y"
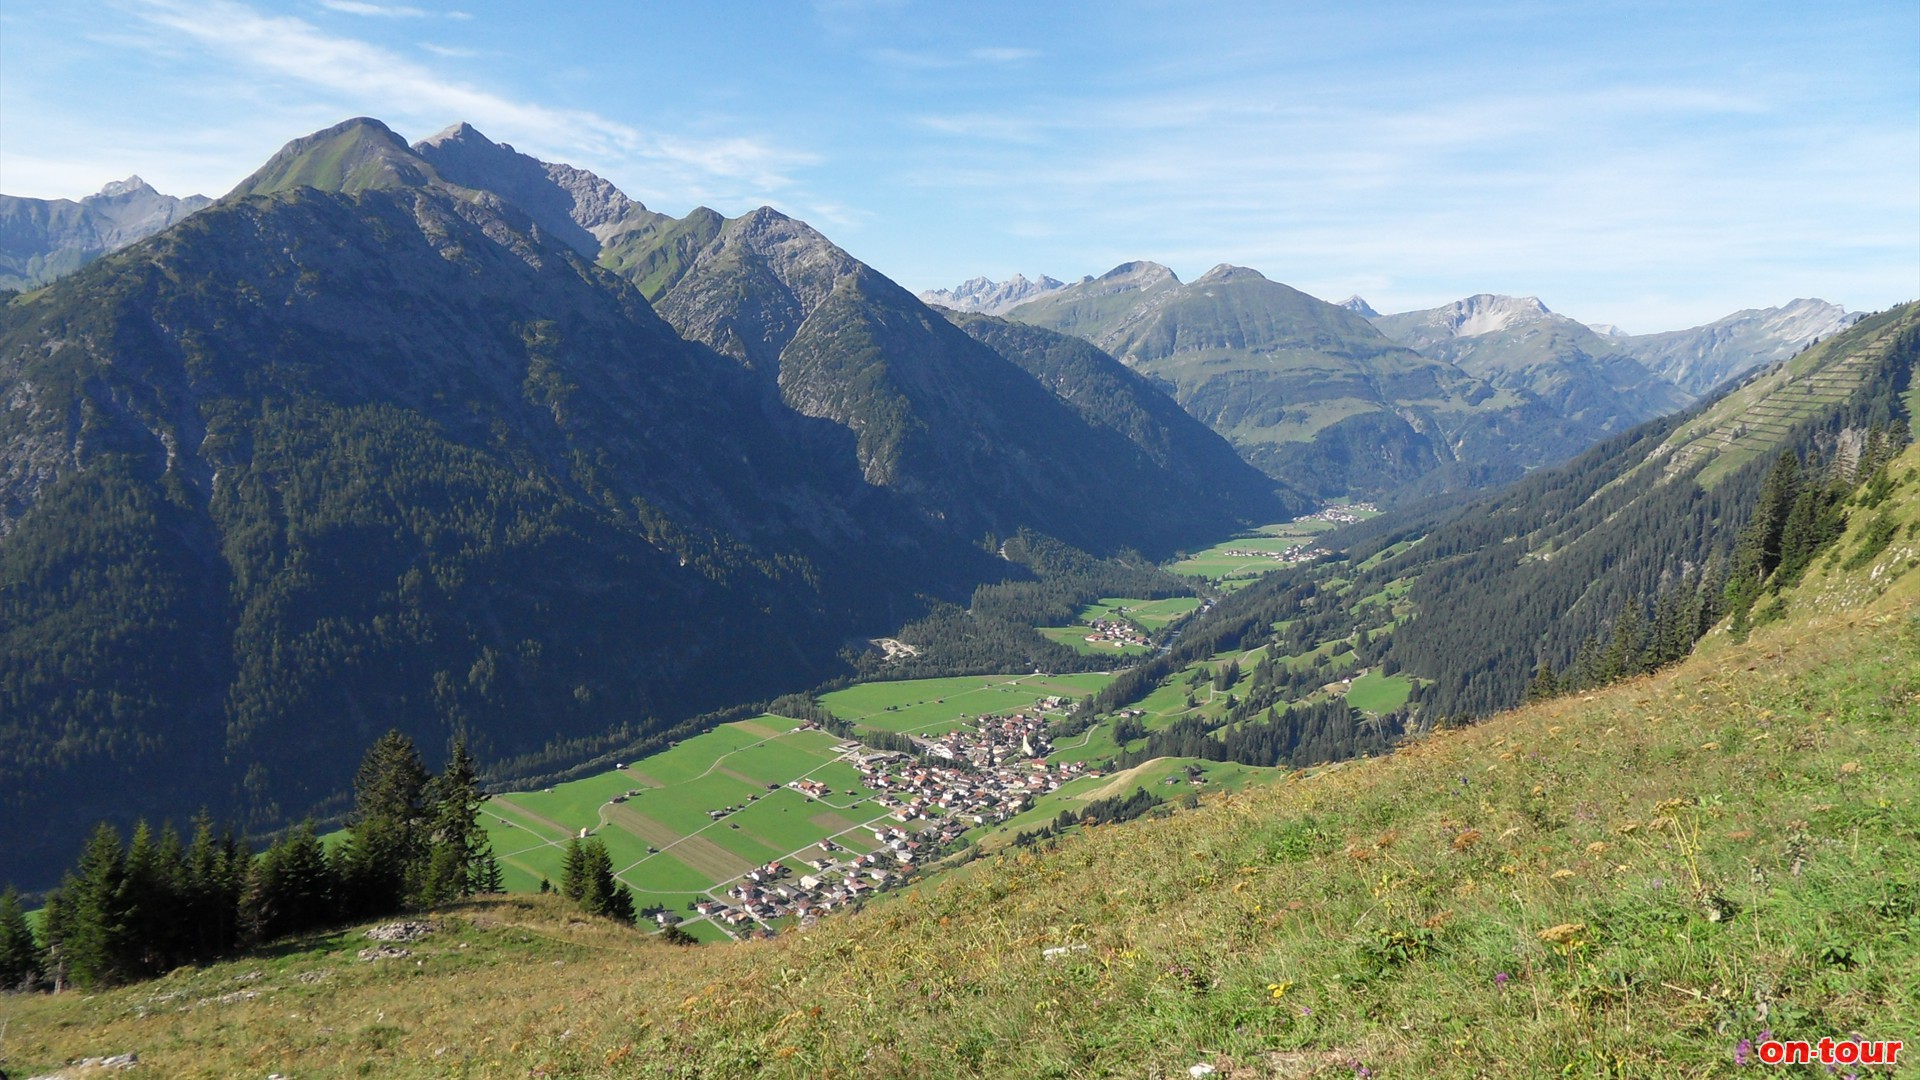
{"x": 1374, "y": 692}
{"x": 1153, "y": 615}
{"x": 1215, "y": 564}
{"x": 1075, "y": 638}
{"x": 932, "y": 706}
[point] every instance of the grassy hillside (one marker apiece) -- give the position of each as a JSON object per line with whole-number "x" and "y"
{"x": 1628, "y": 883}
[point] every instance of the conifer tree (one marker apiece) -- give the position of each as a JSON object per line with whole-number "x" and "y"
{"x": 93, "y": 910}
{"x": 386, "y": 860}
{"x": 21, "y": 964}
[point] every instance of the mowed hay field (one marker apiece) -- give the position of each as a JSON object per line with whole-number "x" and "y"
{"x": 665, "y": 800}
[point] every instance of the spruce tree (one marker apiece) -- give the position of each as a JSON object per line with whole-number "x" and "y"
{"x": 386, "y": 859}
{"x": 21, "y": 964}
{"x": 458, "y": 845}
{"x": 573, "y": 871}
{"x": 93, "y": 938}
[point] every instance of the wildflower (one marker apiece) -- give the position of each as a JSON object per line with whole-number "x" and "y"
{"x": 1500, "y": 978}
{"x": 1280, "y": 989}
{"x": 1740, "y": 1051}
{"x": 1304, "y": 1011}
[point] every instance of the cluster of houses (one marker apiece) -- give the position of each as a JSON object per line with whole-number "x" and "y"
{"x": 976, "y": 776}
{"x": 1117, "y": 632}
{"x": 1298, "y": 553}
{"x": 1342, "y": 515}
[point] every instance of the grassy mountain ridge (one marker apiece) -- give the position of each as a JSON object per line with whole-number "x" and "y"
{"x": 1629, "y": 883}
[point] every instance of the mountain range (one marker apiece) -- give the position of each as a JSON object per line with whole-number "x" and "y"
{"x": 1257, "y": 361}
{"x": 41, "y": 239}
{"x": 391, "y": 435}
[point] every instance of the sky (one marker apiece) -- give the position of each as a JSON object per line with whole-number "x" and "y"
{"x": 1648, "y": 165}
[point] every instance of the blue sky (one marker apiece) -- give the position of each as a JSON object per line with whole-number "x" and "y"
{"x": 1652, "y": 165}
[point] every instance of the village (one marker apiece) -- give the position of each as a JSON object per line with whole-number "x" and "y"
{"x": 1117, "y": 633}
{"x": 976, "y": 776}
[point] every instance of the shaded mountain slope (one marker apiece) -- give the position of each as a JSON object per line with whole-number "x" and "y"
{"x": 313, "y": 464}
{"x": 1531, "y": 573}
{"x": 971, "y": 437}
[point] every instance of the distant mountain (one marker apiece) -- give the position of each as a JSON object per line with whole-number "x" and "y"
{"x": 1706, "y": 356}
{"x": 1358, "y": 306}
{"x": 41, "y": 239}
{"x": 1516, "y": 343}
{"x": 992, "y": 297}
{"x": 1308, "y": 391}
{"x": 366, "y": 445}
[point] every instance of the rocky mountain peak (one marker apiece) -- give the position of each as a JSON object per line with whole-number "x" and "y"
{"x": 575, "y": 205}
{"x": 1140, "y": 274}
{"x": 1358, "y": 306}
{"x": 989, "y": 297}
{"x": 1226, "y": 272}
{"x": 132, "y": 185}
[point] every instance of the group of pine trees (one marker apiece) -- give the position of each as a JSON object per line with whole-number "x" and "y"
{"x": 587, "y": 879}
{"x": 134, "y": 910}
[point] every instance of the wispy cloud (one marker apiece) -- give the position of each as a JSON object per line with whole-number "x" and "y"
{"x": 360, "y": 74}
{"x": 1004, "y": 55}
{"x": 947, "y": 60}
{"x": 385, "y": 11}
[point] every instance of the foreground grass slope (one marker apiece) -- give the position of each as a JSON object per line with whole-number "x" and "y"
{"x": 1627, "y": 884}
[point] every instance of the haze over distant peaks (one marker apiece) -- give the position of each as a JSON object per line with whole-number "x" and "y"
{"x": 1482, "y": 313}
{"x": 41, "y": 239}
{"x": 1703, "y": 357}
{"x": 990, "y": 297}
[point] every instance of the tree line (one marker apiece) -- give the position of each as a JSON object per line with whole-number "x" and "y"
{"x": 134, "y": 909}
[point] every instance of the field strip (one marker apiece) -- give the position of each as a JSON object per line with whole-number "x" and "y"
{"x": 708, "y": 858}
{"x": 533, "y": 817}
{"x": 644, "y": 778}
{"x": 1117, "y": 785}
{"x": 697, "y": 852}
{"x": 752, "y": 728}
{"x": 740, "y": 776}
{"x": 828, "y": 821}
{"x": 638, "y": 824}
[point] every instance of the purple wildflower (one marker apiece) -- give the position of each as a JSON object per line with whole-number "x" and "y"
{"x": 1500, "y": 978}
{"x": 1740, "y": 1051}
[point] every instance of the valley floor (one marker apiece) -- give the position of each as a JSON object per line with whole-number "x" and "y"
{"x": 1639, "y": 882}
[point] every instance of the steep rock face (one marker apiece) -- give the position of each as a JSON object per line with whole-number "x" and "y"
{"x": 1308, "y": 391}
{"x": 988, "y": 297}
{"x": 315, "y": 463}
{"x": 1703, "y": 357}
{"x": 1482, "y": 313}
{"x": 1359, "y": 306}
{"x": 576, "y": 206}
{"x": 42, "y": 239}
{"x": 1517, "y": 344}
